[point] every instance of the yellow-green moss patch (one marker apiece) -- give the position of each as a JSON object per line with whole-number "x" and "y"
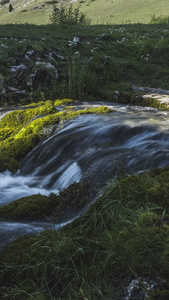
{"x": 59, "y": 102}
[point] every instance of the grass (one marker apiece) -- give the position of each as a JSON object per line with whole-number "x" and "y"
{"x": 107, "y": 59}
{"x": 99, "y": 11}
{"x": 123, "y": 235}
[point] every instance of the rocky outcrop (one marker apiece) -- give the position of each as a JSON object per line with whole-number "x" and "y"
{"x": 32, "y": 71}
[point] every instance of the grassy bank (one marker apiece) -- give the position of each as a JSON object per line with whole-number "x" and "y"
{"x": 106, "y": 59}
{"x": 123, "y": 236}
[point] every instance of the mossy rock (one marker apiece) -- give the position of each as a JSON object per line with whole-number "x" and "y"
{"x": 139, "y": 100}
{"x": 35, "y": 207}
{"x": 5, "y": 133}
{"x": 66, "y": 115}
{"x": 7, "y": 162}
{"x": 30, "y": 208}
{"x": 17, "y": 148}
{"x": 21, "y": 137}
{"x": 60, "y": 102}
{"x": 22, "y": 130}
{"x": 70, "y": 200}
{"x": 36, "y": 126}
{"x": 18, "y": 118}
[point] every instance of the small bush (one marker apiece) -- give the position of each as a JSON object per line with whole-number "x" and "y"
{"x": 69, "y": 16}
{"x": 10, "y": 7}
{"x": 159, "y": 19}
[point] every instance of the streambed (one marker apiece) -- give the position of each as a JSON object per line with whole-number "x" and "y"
{"x": 93, "y": 148}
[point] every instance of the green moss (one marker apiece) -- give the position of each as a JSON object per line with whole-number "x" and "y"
{"x": 36, "y": 207}
{"x": 21, "y": 131}
{"x": 70, "y": 108}
{"x": 149, "y": 102}
{"x": 29, "y": 208}
{"x": 17, "y": 148}
{"x": 149, "y": 220}
{"x": 5, "y": 133}
{"x": 37, "y": 126}
{"x": 19, "y": 135}
{"x": 18, "y": 118}
{"x": 65, "y": 115}
{"x": 60, "y": 102}
{"x": 139, "y": 100}
{"x": 9, "y": 163}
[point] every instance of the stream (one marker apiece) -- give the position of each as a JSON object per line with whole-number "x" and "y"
{"x": 93, "y": 148}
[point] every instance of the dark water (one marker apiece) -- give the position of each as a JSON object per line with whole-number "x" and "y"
{"x": 92, "y": 148}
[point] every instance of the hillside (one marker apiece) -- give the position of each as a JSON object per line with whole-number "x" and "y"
{"x": 99, "y": 11}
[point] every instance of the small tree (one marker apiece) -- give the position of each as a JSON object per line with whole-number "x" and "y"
{"x": 10, "y": 7}
{"x": 68, "y": 16}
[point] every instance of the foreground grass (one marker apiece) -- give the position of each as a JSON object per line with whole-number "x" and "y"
{"x": 123, "y": 235}
{"x": 107, "y": 59}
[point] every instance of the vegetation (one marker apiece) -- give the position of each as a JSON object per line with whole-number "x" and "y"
{"x": 159, "y": 19}
{"x": 68, "y": 16}
{"x": 123, "y": 235}
{"x": 99, "y": 11}
{"x": 103, "y": 61}
{"x": 55, "y": 207}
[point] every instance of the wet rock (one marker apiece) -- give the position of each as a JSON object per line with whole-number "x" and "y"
{"x": 18, "y": 68}
{"x": 138, "y": 289}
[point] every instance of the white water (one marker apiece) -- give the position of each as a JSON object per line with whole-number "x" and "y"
{"x": 92, "y": 148}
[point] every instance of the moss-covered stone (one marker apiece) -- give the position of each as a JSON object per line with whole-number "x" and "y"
{"x": 5, "y": 133}
{"x": 17, "y": 148}
{"x": 29, "y": 208}
{"x": 18, "y": 118}
{"x": 21, "y": 130}
{"x": 37, "y": 207}
{"x": 60, "y": 102}
{"x": 7, "y": 162}
{"x": 140, "y": 100}
{"x": 36, "y": 126}
{"x": 66, "y": 115}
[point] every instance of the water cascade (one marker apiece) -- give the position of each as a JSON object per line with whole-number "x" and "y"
{"x": 92, "y": 148}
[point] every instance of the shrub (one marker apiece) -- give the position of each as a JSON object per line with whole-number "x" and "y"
{"x": 68, "y": 16}
{"x": 159, "y": 19}
{"x": 10, "y": 7}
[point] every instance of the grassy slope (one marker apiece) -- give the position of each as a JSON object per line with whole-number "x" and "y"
{"x": 100, "y": 11}
{"x": 111, "y": 58}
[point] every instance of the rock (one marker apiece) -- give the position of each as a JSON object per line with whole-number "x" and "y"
{"x": 36, "y": 69}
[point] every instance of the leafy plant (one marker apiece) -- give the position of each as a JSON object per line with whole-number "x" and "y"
{"x": 10, "y": 7}
{"x": 68, "y": 16}
{"x": 159, "y": 19}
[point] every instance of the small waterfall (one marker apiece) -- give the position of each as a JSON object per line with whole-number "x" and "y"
{"x": 92, "y": 148}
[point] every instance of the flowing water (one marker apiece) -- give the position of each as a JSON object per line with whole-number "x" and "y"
{"x": 92, "y": 148}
